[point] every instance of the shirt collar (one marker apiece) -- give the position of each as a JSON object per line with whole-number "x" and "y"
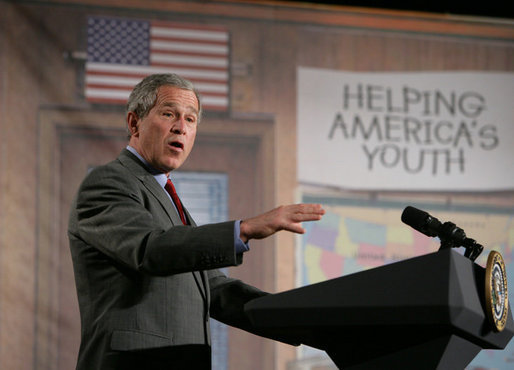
{"x": 158, "y": 175}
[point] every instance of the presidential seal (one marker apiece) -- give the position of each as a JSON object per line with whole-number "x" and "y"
{"x": 496, "y": 294}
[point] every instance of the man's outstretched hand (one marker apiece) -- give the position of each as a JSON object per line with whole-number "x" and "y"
{"x": 281, "y": 218}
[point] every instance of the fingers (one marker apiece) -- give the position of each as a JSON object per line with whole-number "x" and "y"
{"x": 287, "y": 218}
{"x": 306, "y": 212}
{"x": 312, "y": 208}
{"x": 307, "y": 208}
{"x": 297, "y": 213}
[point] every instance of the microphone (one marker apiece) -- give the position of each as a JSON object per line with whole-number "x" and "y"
{"x": 421, "y": 221}
{"x": 451, "y": 235}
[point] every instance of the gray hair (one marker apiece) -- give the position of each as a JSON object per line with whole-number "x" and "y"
{"x": 143, "y": 96}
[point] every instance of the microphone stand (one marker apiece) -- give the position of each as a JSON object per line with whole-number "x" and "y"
{"x": 452, "y": 236}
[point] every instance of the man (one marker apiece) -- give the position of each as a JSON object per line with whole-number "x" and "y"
{"x": 146, "y": 276}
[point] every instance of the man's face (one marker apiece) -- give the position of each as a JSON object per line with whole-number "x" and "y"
{"x": 166, "y": 135}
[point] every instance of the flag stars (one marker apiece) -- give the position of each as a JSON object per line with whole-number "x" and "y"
{"x": 118, "y": 41}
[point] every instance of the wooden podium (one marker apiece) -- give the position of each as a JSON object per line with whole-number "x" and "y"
{"x": 427, "y": 312}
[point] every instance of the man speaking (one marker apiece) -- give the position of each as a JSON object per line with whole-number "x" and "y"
{"x": 146, "y": 275}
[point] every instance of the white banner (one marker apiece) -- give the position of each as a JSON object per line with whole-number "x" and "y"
{"x": 431, "y": 131}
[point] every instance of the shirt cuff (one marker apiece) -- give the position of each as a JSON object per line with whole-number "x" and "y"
{"x": 240, "y": 246}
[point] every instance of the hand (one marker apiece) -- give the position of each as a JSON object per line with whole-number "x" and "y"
{"x": 282, "y": 218}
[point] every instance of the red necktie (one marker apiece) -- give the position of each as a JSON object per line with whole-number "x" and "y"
{"x": 173, "y": 193}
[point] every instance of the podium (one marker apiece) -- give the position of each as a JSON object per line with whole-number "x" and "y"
{"x": 427, "y": 312}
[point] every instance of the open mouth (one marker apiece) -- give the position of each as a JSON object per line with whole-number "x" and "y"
{"x": 177, "y": 145}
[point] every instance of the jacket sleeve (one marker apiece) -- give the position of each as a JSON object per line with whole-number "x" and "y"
{"x": 115, "y": 214}
{"x": 228, "y": 298}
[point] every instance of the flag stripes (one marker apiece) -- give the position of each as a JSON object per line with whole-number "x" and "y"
{"x": 123, "y": 51}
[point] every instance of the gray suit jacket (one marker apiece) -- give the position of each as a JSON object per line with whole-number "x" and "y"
{"x": 144, "y": 280}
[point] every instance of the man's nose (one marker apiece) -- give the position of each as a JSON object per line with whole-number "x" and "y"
{"x": 179, "y": 126}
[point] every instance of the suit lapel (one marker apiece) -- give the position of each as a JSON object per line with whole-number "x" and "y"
{"x": 139, "y": 170}
{"x": 159, "y": 193}
{"x": 146, "y": 178}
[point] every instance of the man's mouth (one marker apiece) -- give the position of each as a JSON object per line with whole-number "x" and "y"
{"x": 176, "y": 145}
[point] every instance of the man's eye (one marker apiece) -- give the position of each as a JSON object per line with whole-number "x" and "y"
{"x": 168, "y": 114}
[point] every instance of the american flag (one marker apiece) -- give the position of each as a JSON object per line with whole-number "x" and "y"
{"x": 120, "y": 52}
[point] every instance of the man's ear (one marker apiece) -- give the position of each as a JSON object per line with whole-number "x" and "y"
{"x": 132, "y": 123}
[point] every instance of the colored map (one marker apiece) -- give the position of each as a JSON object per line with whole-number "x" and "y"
{"x": 353, "y": 238}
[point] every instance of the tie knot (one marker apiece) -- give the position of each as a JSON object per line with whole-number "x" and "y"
{"x": 169, "y": 187}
